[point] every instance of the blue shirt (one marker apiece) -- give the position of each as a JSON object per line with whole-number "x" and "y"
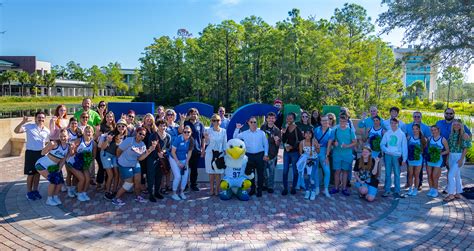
{"x": 198, "y": 131}
{"x": 172, "y": 130}
{"x": 424, "y": 129}
{"x": 343, "y": 136}
{"x": 445, "y": 128}
{"x": 181, "y": 146}
{"x": 318, "y": 135}
{"x": 367, "y": 123}
{"x": 224, "y": 123}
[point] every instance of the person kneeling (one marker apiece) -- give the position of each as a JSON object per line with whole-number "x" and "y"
{"x": 365, "y": 172}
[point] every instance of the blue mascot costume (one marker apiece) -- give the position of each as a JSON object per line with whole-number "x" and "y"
{"x": 236, "y": 181}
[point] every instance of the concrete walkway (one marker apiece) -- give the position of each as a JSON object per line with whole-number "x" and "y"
{"x": 203, "y": 222}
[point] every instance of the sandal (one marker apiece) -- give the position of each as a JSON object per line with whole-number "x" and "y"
{"x": 449, "y": 198}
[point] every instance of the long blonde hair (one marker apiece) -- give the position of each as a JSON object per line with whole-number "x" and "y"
{"x": 461, "y": 131}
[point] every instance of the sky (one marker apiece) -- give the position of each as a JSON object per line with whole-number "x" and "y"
{"x": 96, "y": 32}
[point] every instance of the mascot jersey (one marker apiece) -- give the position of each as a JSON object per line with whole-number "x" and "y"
{"x": 235, "y": 171}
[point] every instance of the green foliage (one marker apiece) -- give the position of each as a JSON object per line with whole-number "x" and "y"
{"x": 427, "y": 102}
{"x": 96, "y": 79}
{"x": 441, "y": 30}
{"x": 305, "y": 61}
{"x": 439, "y": 105}
{"x": 470, "y": 155}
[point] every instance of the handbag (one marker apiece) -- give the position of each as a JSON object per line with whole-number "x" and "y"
{"x": 164, "y": 162}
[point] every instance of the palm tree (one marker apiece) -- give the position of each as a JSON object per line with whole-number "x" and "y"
{"x": 23, "y": 77}
{"x": 49, "y": 80}
{"x": 36, "y": 81}
{"x": 8, "y": 76}
{"x": 419, "y": 86}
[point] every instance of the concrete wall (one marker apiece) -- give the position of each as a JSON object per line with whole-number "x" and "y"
{"x": 6, "y": 135}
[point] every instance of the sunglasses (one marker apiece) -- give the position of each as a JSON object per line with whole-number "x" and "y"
{"x": 101, "y": 105}
{"x": 169, "y": 114}
{"x": 131, "y": 116}
{"x": 141, "y": 134}
{"x": 416, "y": 116}
{"x": 253, "y": 122}
{"x": 304, "y": 116}
{"x": 187, "y": 132}
{"x": 120, "y": 125}
{"x": 84, "y": 117}
{"x": 215, "y": 120}
{"x": 448, "y": 113}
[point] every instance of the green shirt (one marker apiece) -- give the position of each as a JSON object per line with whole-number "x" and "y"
{"x": 94, "y": 118}
{"x": 454, "y": 147}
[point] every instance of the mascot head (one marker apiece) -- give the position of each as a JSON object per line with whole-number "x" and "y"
{"x": 235, "y": 148}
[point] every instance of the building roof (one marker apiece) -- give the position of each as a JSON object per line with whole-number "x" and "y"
{"x": 6, "y": 63}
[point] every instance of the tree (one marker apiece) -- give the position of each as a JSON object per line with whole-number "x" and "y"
{"x": 7, "y": 77}
{"x": 452, "y": 75}
{"x": 75, "y": 71}
{"x": 61, "y": 71}
{"x": 36, "y": 80}
{"x": 436, "y": 28}
{"x": 96, "y": 79}
{"x": 23, "y": 77}
{"x": 115, "y": 77}
{"x": 49, "y": 80}
{"x": 136, "y": 86}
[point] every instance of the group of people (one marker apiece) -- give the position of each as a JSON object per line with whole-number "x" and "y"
{"x": 158, "y": 154}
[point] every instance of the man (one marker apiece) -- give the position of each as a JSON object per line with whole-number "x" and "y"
{"x": 445, "y": 125}
{"x": 224, "y": 121}
{"x": 273, "y": 135}
{"x": 394, "y": 145}
{"x": 425, "y": 130}
{"x": 279, "y": 118}
{"x": 37, "y": 135}
{"x": 366, "y": 123}
{"x": 94, "y": 117}
{"x": 198, "y": 152}
{"x": 342, "y": 141}
{"x": 257, "y": 152}
{"x": 394, "y": 111}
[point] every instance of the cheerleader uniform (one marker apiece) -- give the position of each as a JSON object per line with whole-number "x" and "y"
{"x": 439, "y": 145}
{"x": 374, "y": 133}
{"x": 44, "y": 162}
{"x": 414, "y": 142}
{"x": 82, "y": 148}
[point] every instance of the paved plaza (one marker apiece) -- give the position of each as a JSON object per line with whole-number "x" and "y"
{"x": 202, "y": 222}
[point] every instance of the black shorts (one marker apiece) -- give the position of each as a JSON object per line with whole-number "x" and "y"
{"x": 30, "y": 160}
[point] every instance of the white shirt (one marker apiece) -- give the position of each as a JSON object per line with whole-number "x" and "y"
{"x": 36, "y": 138}
{"x": 217, "y": 140}
{"x": 255, "y": 141}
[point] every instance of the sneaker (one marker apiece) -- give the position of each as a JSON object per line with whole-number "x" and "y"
{"x": 346, "y": 192}
{"x": 81, "y": 197}
{"x": 152, "y": 198}
{"x": 175, "y": 197}
{"x": 399, "y": 195}
{"x": 326, "y": 193}
{"x": 51, "y": 202}
{"x": 30, "y": 196}
{"x": 71, "y": 193}
{"x": 306, "y": 195}
{"x": 195, "y": 188}
{"x": 316, "y": 191}
{"x": 414, "y": 193}
{"x": 86, "y": 196}
{"x": 435, "y": 193}
{"x": 37, "y": 194}
{"x": 419, "y": 188}
{"x": 159, "y": 196}
{"x": 57, "y": 200}
{"x": 284, "y": 192}
{"x": 63, "y": 188}
{"x": 430, "y": 193}
{"x": 270, "y": 190}
{"x": 410, "y": 191}
{"x": 108, "y": 196}
{"x": 444, "y": 192}
{"x": 182, "y": 196}
{"x": 313, "y": 196}
{"x": 386, "y": 194}
{"x": 334, "y": 191}
{"x": 293, "y": 191}
{"x": 140, "y": 199}
{"x": 117, "y": 202}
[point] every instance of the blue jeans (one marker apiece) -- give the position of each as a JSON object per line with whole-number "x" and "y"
{"x": 312, "y": 181}
{"x": 325, "y": 166}
{"x": 391, "y": 163}
{"x": 290, "y": 158}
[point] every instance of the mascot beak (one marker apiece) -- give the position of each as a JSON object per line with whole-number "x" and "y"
{"x": 235, "y": 152}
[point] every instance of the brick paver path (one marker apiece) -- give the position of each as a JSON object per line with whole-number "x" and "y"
{"x": 203, "y": 222}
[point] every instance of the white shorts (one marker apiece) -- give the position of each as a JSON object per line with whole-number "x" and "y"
{"x": 43, "y": 163}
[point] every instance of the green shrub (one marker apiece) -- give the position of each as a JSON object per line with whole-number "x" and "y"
{"x": 427, "y": 103}
{"x": 470, "y": 155}
{"x": 416, "y": 102}
{"x": 439, "y": 105}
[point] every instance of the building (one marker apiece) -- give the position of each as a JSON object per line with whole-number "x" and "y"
{"x": 24, "y": 63}
{"x": 416, "y": 68}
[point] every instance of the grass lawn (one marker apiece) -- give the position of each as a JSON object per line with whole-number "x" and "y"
{"x": 22, "y": 103}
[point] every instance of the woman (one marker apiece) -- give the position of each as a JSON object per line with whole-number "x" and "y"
{"x": 437, "y": 147}
{"x": 172, "y": 130}
{"x": 309, "y": 149}
{"x": 375, "y": 135}
{"x": 83, "y": 121}
{"x": 322, "y": 135}
{"x": 129, "y": 152}
{"x": 332, "y": 119}
{"x": 216, "y": 140}
{"x": 305, "y": 123}
{"x": 131, "y": 123}
{"x": 58, "y": 122}
{"x": 458, "y": 146}
{"x": 158, "y": 162}
{"x": 108, "y": 144}
{"x": 102, "y": 109}
{"x": 107, "y": 125}
{"x": 315, "y": 119}
{"x": 73, "y": 134}
{"x": 416, "y": 146}
{"x": 181, "y": 152}
{"x": 150, "y": 127}
{"x": 291, "y": 137}
{"x": 49, "y": 166}
{"x": 365, "y": 173}
{"x": 82, "y": 155}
